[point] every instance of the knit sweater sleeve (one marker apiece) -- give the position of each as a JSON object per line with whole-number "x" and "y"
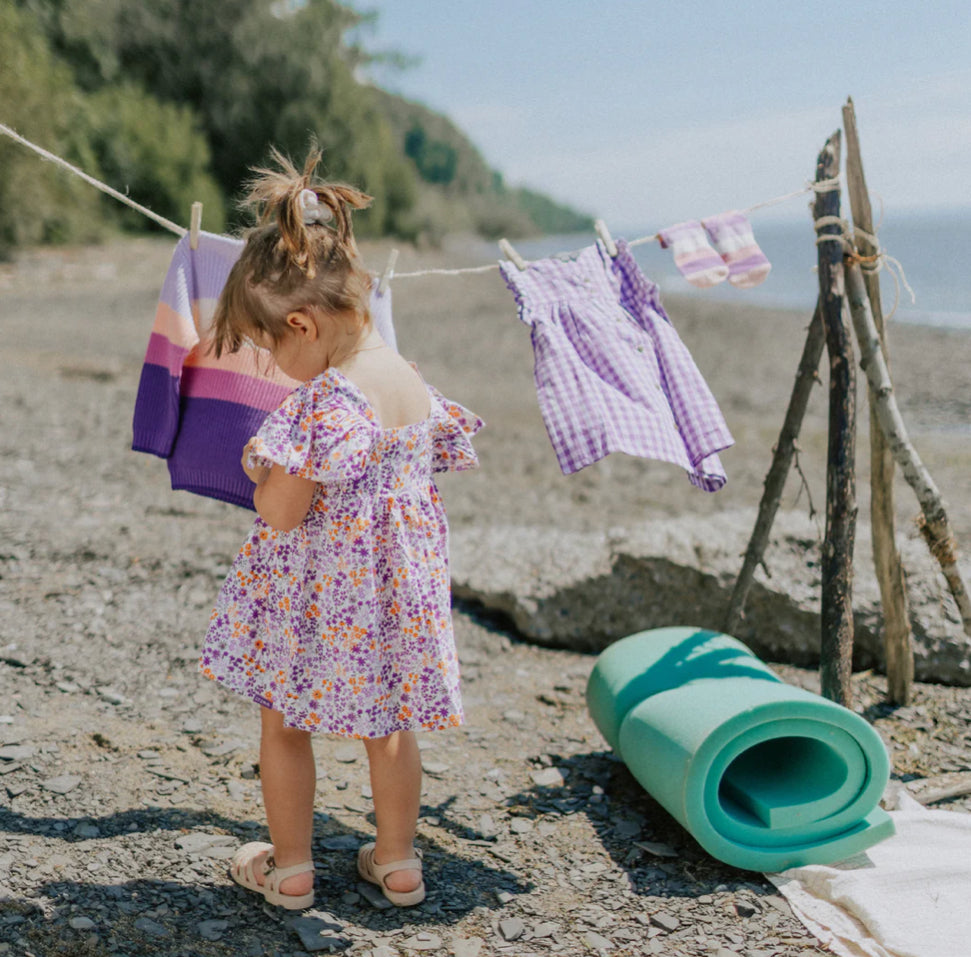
{"x": 155, "y": 422}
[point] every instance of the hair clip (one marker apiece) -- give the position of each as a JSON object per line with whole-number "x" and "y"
{"x": 312, "y": 209}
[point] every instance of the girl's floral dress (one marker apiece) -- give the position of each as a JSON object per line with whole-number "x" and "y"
{"x": 344, "y": 623}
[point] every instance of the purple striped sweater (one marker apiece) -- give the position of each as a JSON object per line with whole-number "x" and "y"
{"x": 197, "y": 411}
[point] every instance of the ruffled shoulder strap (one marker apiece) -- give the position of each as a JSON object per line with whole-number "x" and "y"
{"x": 323, "y": 431}
{"x": 452, "y": 428}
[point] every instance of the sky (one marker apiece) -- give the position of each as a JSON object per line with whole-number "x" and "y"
{"x": 650, "y": 112}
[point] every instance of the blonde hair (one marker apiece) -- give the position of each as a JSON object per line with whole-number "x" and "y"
{"x": 288, "y": 264}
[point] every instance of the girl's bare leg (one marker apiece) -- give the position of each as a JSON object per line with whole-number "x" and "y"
{"x": 395, "y": 766}
{"x": 289, "y": 779}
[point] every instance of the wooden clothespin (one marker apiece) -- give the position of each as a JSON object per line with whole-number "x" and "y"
{"x": 195, "y": 224}
{"x": 511, "y": 254}
{"x": 601, "y": 227}
{"x": 388, "y": 273}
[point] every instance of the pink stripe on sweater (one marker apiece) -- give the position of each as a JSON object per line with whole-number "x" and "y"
{"x": 207, "y": 383}
{"x": 257, "y": 363}
{"x": 168, "y": 355}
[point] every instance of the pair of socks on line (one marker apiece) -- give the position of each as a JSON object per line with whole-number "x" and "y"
{"x": 735, "y": 256}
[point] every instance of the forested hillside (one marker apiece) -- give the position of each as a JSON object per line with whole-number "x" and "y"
{"x": 173, "y": 102}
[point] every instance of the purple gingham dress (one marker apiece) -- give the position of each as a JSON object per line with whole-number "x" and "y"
{"x": 611, "y": 372}
{"x": 344, "y": 623}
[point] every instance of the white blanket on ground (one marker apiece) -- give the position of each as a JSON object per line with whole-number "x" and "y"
{"x": 909, "y": 896}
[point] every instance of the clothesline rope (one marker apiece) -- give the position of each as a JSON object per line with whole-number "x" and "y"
{"x": 820, "y": 186}
{"x": 880, "y": 260}
{"x": 97, "y": 184}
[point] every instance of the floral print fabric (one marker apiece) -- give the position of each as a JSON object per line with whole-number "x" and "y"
{"x": 344, "y": 623}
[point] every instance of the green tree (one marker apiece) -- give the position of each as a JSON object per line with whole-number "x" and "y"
{"x": 160, "y": 91}
{"x": 260, "y": 74}
{"x": 39, "y": 202}
{"x": 155, "y": 153}
{"x": 435, "y": 160}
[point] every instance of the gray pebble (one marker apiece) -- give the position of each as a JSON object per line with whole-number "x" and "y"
{"x": 466, "y": 946}
{"x": 319, "y": 933}
{"x": 372, "y": 894}
{"x": 596, "y": 941}
{"x": 236, "y": 790}
{"x": 625, "y": 830}
{"x": 222, "y": 749}
{"x": 17, "y": 752}
{"x": 511, "y": 928}
{"x": 82, "y": 923}
{"x": 549, "y": 777}
{"x": 212, "y": 929}
{"x": 62, "y": 784}
{"x": 665, "y": 921}
{"x": 13, "y": 657}
{"x": 487, "y": 826}
{"x": 112, "y": 696}
{"x": 154, "y": 929}
{"x": 422, "y": 941}
{"x": 210, "y": 845}
{"x": 220, "y": 852}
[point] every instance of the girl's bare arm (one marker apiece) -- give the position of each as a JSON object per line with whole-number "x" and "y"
{"x": 281, "y": 500}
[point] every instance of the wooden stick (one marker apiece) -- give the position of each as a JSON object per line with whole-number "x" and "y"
{"x": 944, "y": 787}
{"x": 935, "y": 526}
{"x": 897, "y": 644}
{"x": 775, "y": 480}
{"x": 836, "y": 644}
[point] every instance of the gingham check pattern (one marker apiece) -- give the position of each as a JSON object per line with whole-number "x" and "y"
{"x": 611, "y": 373}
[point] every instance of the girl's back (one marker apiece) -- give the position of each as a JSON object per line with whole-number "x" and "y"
{"x": 396, "y": 392}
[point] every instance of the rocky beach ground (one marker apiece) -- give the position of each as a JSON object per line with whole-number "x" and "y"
{"x": 127, "y": 780}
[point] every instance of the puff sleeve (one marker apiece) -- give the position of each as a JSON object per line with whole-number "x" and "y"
{"x": 314, "y": 435}
{"x": 452, "y": 429}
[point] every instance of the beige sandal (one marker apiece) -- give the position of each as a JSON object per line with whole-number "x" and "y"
{"x": 376, "y": 873}
{"x": 242, "y": 870}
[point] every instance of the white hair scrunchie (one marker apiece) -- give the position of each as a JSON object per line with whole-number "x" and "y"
{"x": 313, "y": 210}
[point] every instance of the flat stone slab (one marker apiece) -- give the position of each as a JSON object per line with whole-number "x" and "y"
{"x": 583, "y": 591}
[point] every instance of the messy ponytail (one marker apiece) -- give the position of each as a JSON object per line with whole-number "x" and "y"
{"x": 293, "y": 259}
{"x": 275, "y": 196}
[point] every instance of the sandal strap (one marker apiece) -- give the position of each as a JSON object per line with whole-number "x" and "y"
{"x": 381, "y": 871}
{"x": 274, "y": 874}
{"x": 245, "y": 864}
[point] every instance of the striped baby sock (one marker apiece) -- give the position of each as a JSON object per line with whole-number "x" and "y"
{"x": 695, "y": 259}
{"x": 732, "y": 236}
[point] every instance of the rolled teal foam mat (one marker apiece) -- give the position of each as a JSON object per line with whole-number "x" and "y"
{"x": 763, "y": 775}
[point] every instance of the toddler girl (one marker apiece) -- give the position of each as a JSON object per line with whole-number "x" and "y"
{"x": 336, "y": 614}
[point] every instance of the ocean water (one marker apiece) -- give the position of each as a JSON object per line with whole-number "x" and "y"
{"x": 934, "y": 250}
